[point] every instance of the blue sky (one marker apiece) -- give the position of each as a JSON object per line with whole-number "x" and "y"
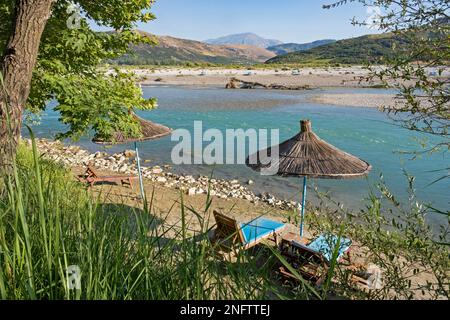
{"x": 285, "y": 20}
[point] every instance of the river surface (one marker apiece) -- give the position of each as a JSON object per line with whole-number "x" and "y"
{"x": 364, "y": 132}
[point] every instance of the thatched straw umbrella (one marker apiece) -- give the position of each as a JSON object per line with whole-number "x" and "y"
{"x": 149, "y": 131}
{"x": 306, "y": 155}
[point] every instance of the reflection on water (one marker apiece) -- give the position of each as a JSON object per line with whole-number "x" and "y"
{"x": 366, "y": 133}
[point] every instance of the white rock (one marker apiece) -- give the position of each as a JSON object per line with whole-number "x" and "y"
{"x": 161, "y": 180}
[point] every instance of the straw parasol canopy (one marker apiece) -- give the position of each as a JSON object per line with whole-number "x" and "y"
{"x": 306, "y": 155}
{"x": 150, "y": 131}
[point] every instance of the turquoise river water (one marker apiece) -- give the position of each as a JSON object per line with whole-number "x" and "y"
{"x": 366, "y": 133}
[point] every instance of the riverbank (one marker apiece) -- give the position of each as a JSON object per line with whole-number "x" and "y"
{"x": 216, "y": 77}
{"x": 366, "y": 100}
{"x": 311, "y": 78}
{"x": 170, "y": 195}
{"x": 165, "y": 189}
{"x": 124, "y": 163}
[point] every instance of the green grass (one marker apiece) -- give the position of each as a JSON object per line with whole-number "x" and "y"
{"x": 49, "y": 222}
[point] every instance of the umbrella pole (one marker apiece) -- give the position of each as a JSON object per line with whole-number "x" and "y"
{"x": 303, "y": 206}
{"x": 138, "y": 162}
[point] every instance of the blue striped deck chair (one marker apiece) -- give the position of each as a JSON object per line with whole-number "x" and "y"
{"x": 325, "y": 245}
{"x": 313, "y": 259}
{"x": 246, "y": 235}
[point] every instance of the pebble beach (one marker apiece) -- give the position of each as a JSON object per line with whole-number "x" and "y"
{"x": 125, "y": 163}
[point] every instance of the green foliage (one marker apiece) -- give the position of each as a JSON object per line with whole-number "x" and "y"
{"x": 168, "y": 57}
{"x": 49, "y": 222}
{"x": 374, "y": 49}
{"x": 6, "y": 13}
{"x": 68, "y": 70}
{"x": 181, "y": 52}
{"x": 86, "y": 102}
{"x": 293, "y": 47}
{"x": 398, "y": 238}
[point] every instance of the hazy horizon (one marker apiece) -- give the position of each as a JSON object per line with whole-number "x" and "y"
{"x": 289, "y": 21}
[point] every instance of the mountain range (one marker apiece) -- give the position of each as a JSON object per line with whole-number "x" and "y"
{"x": 286, "y": 48}
{"x": 249, "y": 39}
{"x": 170, "y": 50}
{"x": 248, "y": 49}
{"x": 360, "y": 50}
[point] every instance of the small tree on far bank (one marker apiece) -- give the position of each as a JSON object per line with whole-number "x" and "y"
{"x": 48, "y": 51}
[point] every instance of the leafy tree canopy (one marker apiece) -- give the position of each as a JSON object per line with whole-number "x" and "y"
{"x": 67, "y": 70}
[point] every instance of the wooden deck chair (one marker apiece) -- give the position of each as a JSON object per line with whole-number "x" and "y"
{"x": 326, "y": 244}
{"x": 91, "y": 177}
{"x": 230, "y": 233}
{"x": 312, "y": 261}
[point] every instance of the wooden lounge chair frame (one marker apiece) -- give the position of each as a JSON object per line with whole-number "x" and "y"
{"x": 228, "y": 234}
{"x": 309, "y": 263}
{"x": 91, "y": 178}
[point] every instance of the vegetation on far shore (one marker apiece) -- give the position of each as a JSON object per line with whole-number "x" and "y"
{"x": 354, "y": 51}
{"x": 370, "y": 49}
{"x": 259, "y": 66}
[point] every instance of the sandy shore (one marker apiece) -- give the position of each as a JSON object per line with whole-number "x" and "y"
{"x": 313, "y": 77}
{"x": 332, "y": 77}
{"x": 366, "y": 100}
{"x": 324, "y": 77}
{"x": 343, "y": 77}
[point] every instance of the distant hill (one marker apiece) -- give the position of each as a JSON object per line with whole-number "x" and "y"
{"x": 174, "y": 51}
{"x": 369, "y": 48}
{"x": 250, "y": 39}
{"x": 293, "y": 47}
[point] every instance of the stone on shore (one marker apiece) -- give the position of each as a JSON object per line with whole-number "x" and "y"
{"x": 124, "y": 163}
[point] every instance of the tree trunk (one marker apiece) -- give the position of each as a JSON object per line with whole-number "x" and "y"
{"x": 17, "y": 66}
